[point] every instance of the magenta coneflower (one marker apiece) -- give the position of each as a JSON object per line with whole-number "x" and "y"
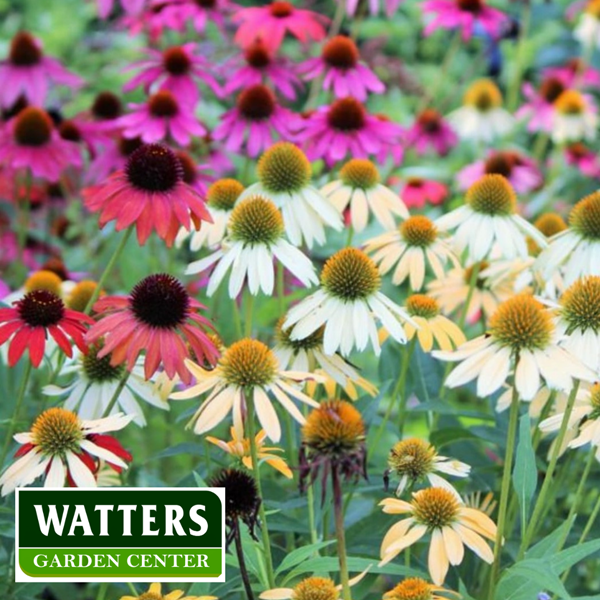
{"x": 539, "y": 107}
{"x": 431, "y": 131}
{"x": 342, "y": 71}
{"x": 252, "y": 122}
{"x": 150, "y": 193}
{"x": 154, "y": 17}
{"x": 35, "y": 316}
{"x": 105, "y": 7}
{"x": 584, "y": 158}
{"x": 270, "y": 23}
{"x": 522, "y": 171}
{"x": 30, "y": 141}
{"x": 158, "y": 318}
{"x": 27, "y": 72}
{"x": 574, "y": 71}
{"x": 201, "y": 12}
{"x": 160, "y": 116}
{"x": 258, "y": 64}
{"x": 214, "y": 157}
{"x": 345, "y": 129}
{"x": 389, "y": 6}
{"x": 175, "y": 69}
{"x": 463, "y": 14}
{"x": 113, "y": 158}
{"x": 417, "y": 192}
{"x": 88, "y": 134}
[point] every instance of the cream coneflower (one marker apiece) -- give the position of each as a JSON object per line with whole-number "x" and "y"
{"x": 489, "y": 220}
{"x": 220, "y": 200}
{"x": 587, "y": 30}
{"x": 248, "y": 371}
{"x": 347, "y": 305}
{"x": 284, "y": 175}
{"x": 482, "y": 117}
{"x": 255, "y": 240}
{"x": 408, "y": 250}
{"x": 360, "y": 189}
{"x": 577, "y": 249}
{"x": 239, "y": 447}
{"x": 522, "y": 338}
{"x": 311, "y": 588}
{"x": 155, "y": 593}
{"x": 452, "y": 526}
{"x": 332, "y": 389}
{"x": 414, "y": 461}
{"x": 574, "y": 117}
{"x": 79, "y": 295}
{"x": 414, "y": 588}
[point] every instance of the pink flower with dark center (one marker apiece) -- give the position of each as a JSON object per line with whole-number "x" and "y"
{"x": 150, "y": 193}
{"x": 27, "y": 72}
{"x": 575, "y": 71}
{"x": 30, "y": 141}
{"x": 389, "y": 6}
{"x": 431, "y": 132}
{"x": 539, "y": 108}
{"x": 521, "y": 171}
{"x": 214, "y": 157}
{"x": 154, "y": 18}
{"x": 342, "y": 71}
{"x": 175, "y": 69}
{"x": 113, "y": 158}
{"x": 85, "y": 133}
{"x": 418, "y": 192}
{"x": 346, "y": 129}
{"x": 201, "y": 12}
{"x": 195, "y": 175}
{"x": 105, "y": 7}
{"x": 463, "y": 14}
{"x": 270, "y": 23}
{"x": 36, "y": 316}
{"x": 158, "y": 318}
{"x": 251, "y": 124}
{"x": 257, "y": 64}
{"x": 584, "y": 158}
{"x": 160, "y": 116}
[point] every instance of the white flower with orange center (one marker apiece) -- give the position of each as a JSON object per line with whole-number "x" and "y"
{"x": 359, "y": 188}
{"x": 248, "y": 371}
{"x": 255, "y": 240}
{"x": 452, "y": 526}
{"x": 577, "y": 249}
{"x": 588, "y": 28}
{"x": 415, "y": 588}
{"x": 523, "y": 339}
{"x": 155, "y": 593}
{"x": 65, "y": 449}
{"x": 347, "y": 306}
{"x": 311, "y": 588}
{"x": 284, "y": 175}
{"x": 482, "y": 117}
{"x": 574, "y": 118}
{"x": 488, "y": 221}
{"x": 409, "y": 250}
{"x": 332, "y": 389}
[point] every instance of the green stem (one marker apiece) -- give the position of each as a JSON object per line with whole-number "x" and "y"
{"x": 513, "y": 92}
{"x": 132, "y": 589}
{"x": 339, "y": 533}
{"x": 25, "y": 212}
{"x": 263, "y": 517}
{"x": 241, "y": 562}
{"x": 310, "y": 500}
{"x": 249, "y": 306}
{"x": 15, "y": 417}
{"x": 280, "y": 289}
{"x": 237, "y": 319}
{"x": 590, "y": 523}
{"x": 505, "y": 489}
{"x": 108, "y": 269}
{"x": 115, "y": 396}
{"x": 539, "y": 505}
{"x": 102, "y": 589}
{"x": 350, "y": 236}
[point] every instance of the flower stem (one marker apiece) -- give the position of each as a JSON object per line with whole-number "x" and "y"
{"x": 339, "y": 532}
{"x": 23, "y": 222}
{"x": 280, "y": 289}
{"x": 241, "y": 562}
{"x": 102, "y": 589}
{"x": 540, "y": 503}
{"x": 403, "y": 396}
{"x": 249, "y": 306}
{"x": 505, "y": 489}
{"x": 116, "y": 395}
{"x": 109, "y": 267}
{"x": 15, "y": 417}
{"x": 263, "y": 517}
{"x": 132, "y": 588}
{"x": 513, "y": 93}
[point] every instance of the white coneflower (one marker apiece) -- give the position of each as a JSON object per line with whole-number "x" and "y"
{"x": 488, "y": 220}
{"x": 587, "y": 30}
{"x": 311, "y": 588}
{"x": 359, "y": 188}
{"x": 413, "y": 246}
{"x": 284, "y": 175}
{"x": 347, "y": 305}
{"x": 415, "y": 588}
{"x": 482, "y": 117}
{"x": 247, "y": 371}
{"x": 255, "y": 240}
{"x": 574, "y": 117}
{"x": 521, "y": 338}
{"x": 577, "y": 249}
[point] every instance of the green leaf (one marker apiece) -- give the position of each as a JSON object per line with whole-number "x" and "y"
{"x": 549, "y": 545}
{"x": 527, "y": 578}
{"x": 199, "y": 480}
{"x": 525, "y": 471}
{"x": 300, "y": 555}
{"x": 567, "y": 558}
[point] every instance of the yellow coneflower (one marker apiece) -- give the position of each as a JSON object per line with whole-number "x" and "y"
{"x": 155, "y": 593}
{"x": 78, "y": 297}
{"x": 44, "y": 280}
{"x": 311, "y": 588}
{"x": 415, "y": 588}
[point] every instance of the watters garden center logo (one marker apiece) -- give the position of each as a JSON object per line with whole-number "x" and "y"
{"x": 120, "y": 534}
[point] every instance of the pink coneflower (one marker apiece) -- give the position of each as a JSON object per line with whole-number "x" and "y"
{"x": 418, "y": 192}
{"x": 154, "y": 17}
{"x": 258, "y": 65}
{"x": 27, "y": 72}
{"x": 256, "y": 114}
{"x": 30, "y": 141}
{"x": 35, "y": 316}
{"x": 215, "y": 159}
{"x": 270, "y": 23}
{"x": 522, "y": 172}
{"x": 584, "y": 158}
{"x": 201, "y": 12}
{"x": 345, "y": 129}
{"x": 105, "y": 7}
{"x": 463, "y": 14}
{"x": 83, "y": 132}
{"x": 389, "y": 6}
{"x": 539, "y": 109}
{"x": 431, "y": 131}
{"x": 158, "y": 318}
{"x": 160, "y": 116}
{"x": 175, "y": 69}
{"x": 342, "y": 71}
{"x": 150, "y": 193}
{"x": 574, "y": 71}
{"x": 113, "y": 158}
